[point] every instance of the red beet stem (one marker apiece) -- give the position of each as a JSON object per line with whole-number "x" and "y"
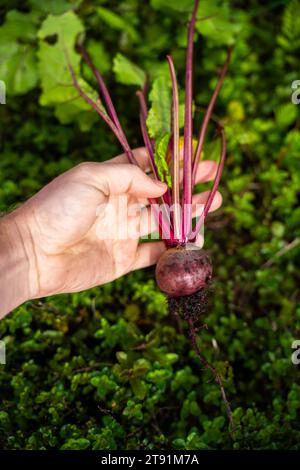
{"x": 147, "y": 141}
{"x": 188, "y": 130}
{"x": 118, "y": 131}
{"x": 208, "y": 115}
{"x": 213, "y": 189}
{"x": 108, "y": 101}
{"x": 119, "y": 134}
{"x": 175, "y": 170}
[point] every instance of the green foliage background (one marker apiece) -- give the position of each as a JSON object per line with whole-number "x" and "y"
{"x": 108, "y": 368}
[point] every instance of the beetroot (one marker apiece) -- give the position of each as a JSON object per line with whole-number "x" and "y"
{"x": 183, "y": 271}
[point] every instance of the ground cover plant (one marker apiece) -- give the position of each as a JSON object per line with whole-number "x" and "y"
{"x": 109, "y": 368}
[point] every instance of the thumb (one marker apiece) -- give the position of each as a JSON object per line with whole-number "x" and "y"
{"x": 130, "y": 179}
{"x": 145, "y": 186}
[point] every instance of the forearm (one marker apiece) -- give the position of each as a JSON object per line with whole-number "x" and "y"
{"x": 15, "y": 263}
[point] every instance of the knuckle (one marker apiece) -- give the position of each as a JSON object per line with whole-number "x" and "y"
{"x": 219, "y": 197}
{"x": 84, "y": 168}
{"x": 137, "y": 170}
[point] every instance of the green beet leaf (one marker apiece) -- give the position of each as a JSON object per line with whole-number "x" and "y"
{"x": 117, "y": 22}
{"x": 18, "y": 65}
{"x": 178, "y": 5}
{"x": 160, "y": 159}
{"x": 56, "y": 7}
{"x": 127, "y": 72}
{"x": 58, "y": 35}
{"x": 158, "y": 121}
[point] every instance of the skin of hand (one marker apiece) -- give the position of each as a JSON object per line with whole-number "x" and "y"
{"x": 51, "y": 244}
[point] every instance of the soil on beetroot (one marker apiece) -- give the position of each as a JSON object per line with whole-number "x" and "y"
{"x": 193, "y": 306}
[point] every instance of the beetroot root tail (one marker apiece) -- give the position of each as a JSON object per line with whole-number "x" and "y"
{"x": 217, "y": 376}
{"x": 192, "y": 308}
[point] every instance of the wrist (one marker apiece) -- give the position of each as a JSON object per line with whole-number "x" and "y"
{"x": 17, "y": 260}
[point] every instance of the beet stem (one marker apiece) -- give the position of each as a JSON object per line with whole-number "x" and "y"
{"x": 147, "y": 141}
{"x": 215, "y": 373}
{"x": 161, "y": 221}
{"x": 165, "y": 231}
{"x": 176, "y": 153}
{"x": 146, "y": 138}
{"x": 103, "y": 88}
{"x": 119, "y": 134}
{"x": 188, "y": 130}
{"x": 218, "y": 174}
{"x": 108, "y": 101}
{"x": 166, "y": 197}
{"x": 208, "y": 115}
{"x": 214, "y": 186}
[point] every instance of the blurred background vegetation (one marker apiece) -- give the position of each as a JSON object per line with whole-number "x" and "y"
{"x": 109, "y": 368}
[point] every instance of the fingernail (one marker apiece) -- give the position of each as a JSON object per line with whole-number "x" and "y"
{"x": 160, "y": 184}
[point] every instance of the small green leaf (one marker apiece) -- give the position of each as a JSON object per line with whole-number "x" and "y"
{"x": 122, "y": 357}
{"x": 277, "y": 229}
{"x": 286, "y": 114}
{"x": 139, "y": 388}
{"x": 18, "y": 26}
{"x": 178, "y": 5}
{"x": 291, "y": 21}
{"x": 219, "y": 30}
{"x": 67, "y": 113}
{"x": 236, "y": 110}
{"x": 127, "y": 72}
{"x": 216, "y": 22}
{"x": 99, "y": 55}
{"x": 18, "y": 65}
{"x": 76, "y": 444}
{"x": 181, "y": 114}
{"x": 213, "y": 150}
{"x": 117, "y": 22}
{"x": 56, "y": 7}
{"x": 19, "y": 71}
{"x": 160, "y": 159}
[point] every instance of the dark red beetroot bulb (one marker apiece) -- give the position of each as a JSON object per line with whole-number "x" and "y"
{"x": 183, "y": 271}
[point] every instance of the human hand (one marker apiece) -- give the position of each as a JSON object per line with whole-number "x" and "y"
{"x": 62, "y": 229}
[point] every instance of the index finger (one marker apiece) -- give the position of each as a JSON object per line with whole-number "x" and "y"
{"x": 206, "y": 170}
{"x": 140, "y": 154}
